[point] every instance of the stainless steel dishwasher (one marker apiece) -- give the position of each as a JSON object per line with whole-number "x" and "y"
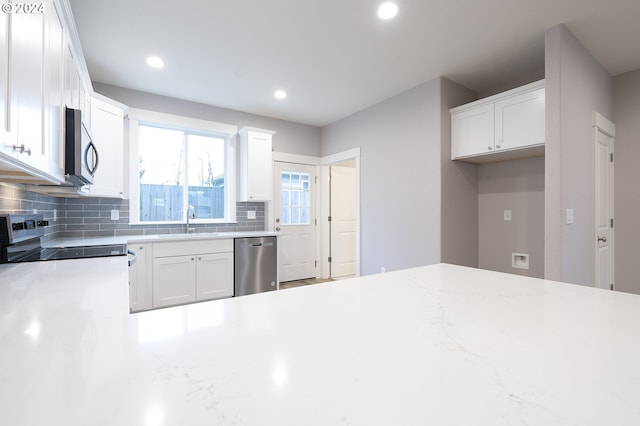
{"x": 256, "y": 265}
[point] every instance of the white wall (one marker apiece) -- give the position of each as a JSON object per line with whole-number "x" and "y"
{"x": 516, "y": 185}
{"x": 399, "y": 140}
{"x": 293, "y": 138}
{"x": 459, "y": 182}
{"x": 576, "y": 86}
{"x": 626, "y": 115}
{"x": 404, "y": 144}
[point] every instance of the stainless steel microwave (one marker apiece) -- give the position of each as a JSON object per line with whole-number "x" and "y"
{"x": 81, "y": 154}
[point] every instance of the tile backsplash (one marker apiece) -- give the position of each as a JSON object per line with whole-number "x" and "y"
{"x": 14, "y": 199}
{"x": 91, "y": 217}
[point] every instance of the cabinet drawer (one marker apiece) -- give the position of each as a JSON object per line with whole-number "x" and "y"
{"x": 183, "y": 248}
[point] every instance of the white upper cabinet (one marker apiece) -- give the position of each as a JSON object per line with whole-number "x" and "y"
{"x": 6, "y": 145}
{"x": 55, "y": 46}
{"x": 41, "y": 71}
{"x": 256, "y": 164}
{"x": 472, "y": 131}
{"x": 26, "y": 65}
{"x": 107, "y": 129}
{"x": 520, "y": 120}
{"x": 509, "y": 125}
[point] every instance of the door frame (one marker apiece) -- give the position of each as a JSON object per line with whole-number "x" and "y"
{"x": 324, "y": 189}
{"x": 602, "y": 125}
{"x": 284, "y": 157}
{"x": 322, "y": 202}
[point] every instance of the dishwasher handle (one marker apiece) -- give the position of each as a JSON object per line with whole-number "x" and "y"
{"x": 132, "y": 261}
{"x": 255, "y": 245}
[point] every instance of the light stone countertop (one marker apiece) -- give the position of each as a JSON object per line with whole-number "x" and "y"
{"x": 128, "y": 239}
{"x": 437, "y": 345}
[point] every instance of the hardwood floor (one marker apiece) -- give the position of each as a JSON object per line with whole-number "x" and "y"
{"x": 300, "y": 283}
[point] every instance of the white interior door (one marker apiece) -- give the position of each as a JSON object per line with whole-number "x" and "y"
{"x": 343, "y": 221}
{"x": 295, "y": 220}
{"x": 604, "y": 235}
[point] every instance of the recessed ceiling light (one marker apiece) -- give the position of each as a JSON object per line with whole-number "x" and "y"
{"x": 280, "y": 94}
{"x": 387, "y": 10}
{"x": 155, "y": 62}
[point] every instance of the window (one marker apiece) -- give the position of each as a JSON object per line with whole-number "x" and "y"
{"x": 295, "y": 198}
{"x": 181, "y": 171}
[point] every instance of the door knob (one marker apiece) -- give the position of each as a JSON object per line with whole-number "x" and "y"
{"x": 277, "y": 220}
{"x": 277, "y": 228}
{"x": 602, "y": 239}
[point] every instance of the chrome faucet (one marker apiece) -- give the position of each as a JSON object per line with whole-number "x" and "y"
{"x": 191, "y": 214}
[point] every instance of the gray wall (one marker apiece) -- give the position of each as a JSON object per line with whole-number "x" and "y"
{"x": 518, "y": 186}
{"x": 626, "y": 115}
{"x": 459, "y": 180}
{"x": 576, "y": 86}
{"x": 399, "y": 140}
{"x": 15, "y": 200}
{"x": 293, "y": 138}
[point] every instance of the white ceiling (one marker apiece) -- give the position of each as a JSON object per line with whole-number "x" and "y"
{"x": 335, "y": 57}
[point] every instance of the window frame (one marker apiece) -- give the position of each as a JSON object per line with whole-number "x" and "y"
{"x": 195, "y": 126}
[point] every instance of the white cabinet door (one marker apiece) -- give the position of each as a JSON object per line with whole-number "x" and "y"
{"x": 214, "y": 276}
{"x": 71, "y": 80}
{"x": 107, "y": 129}
{"x": 174, "y": 280}
{"x": 26, "y": 64}
{"x": 520, "y": 120}
{"x": 256, "y": 165}
{"x": 472, "y": 131}
{"x": 140, "y": 286}
{"x": 6, "y": 144}
{"x": 54, "y": 89}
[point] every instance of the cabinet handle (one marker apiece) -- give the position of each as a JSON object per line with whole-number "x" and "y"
{"x": 199, "y": 258}
{"x": 497, "y": 146}
{"x": 193, "y": 258}
{"x": 489, "y": 148}
{"x": 22, "y": 149}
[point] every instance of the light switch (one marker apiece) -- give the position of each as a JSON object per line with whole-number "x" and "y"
{"x": 115, "y": 214}
{"x": 251, "y": 214}
{"x": 569, "y": 218}
{"x": 507, "y": 215}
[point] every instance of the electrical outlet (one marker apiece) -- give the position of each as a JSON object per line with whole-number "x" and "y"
{"x": 115, "y": 214}
{"x": 251, "y": 214}
{"x": 383, "y": 269}
{"x": 55, "y": 215}
{"x": 507, "y": 215}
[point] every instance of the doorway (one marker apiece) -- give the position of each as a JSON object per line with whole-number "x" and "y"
{"x": 295, "y": 220}
{"x": 342, "y": 223}
{"x": 604, "y": 236}
{"x": 339, "y": 215}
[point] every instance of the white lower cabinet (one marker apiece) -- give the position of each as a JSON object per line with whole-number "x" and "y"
{"x": 176, "y": 273}
{"x": 174, "y": 280}
{"x": 139, "y": 285}
{"x": 214, "y": 276}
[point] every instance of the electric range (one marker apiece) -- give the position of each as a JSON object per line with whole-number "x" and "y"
{"x": 20, "y": 241}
